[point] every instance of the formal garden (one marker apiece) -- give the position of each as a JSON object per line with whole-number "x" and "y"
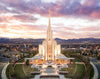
{"x": 83, "y": 71}
{"x": 80, "y": 70}
{"x": 19, "y": 70}
{"x": 75, "y": 71}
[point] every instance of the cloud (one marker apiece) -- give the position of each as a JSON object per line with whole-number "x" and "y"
{"x": 58, "y": 8}
{"x": 90, "y": 29}
{"x": 21, "y": 31}
{"x": 70, "y": 18}
{"x": 27, "y": 18}
{"x": 95, "y": 14}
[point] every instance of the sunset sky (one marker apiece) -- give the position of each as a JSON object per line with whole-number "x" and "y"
{"x": 69, "y": 18}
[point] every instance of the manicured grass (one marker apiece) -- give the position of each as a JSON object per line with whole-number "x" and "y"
{"x": 92, "y": 72}
{"x": 18, "y": 72}
{"x": 25, "y": 71}
{"x": 71, "y": 70}
{"x": 75, "y": 71}
{"x": 80, "y": 72}
{"x": 7, "y": 72}
{"x": 28, "y": 70}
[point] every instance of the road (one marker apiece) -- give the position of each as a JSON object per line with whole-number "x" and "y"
{"x": 3, "y": 61}
{"x": 97, "y": 64}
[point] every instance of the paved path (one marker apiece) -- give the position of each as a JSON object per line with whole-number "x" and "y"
{"x": 79, "y": 62}
{"x": 97, "y": 65}
{"x": 50, "y": 71}
{"x": 2, "y": 64}
{"x": 98, "y": 68}
{"x": 95, "y": 71}
{"x": 3, "y": 74}
{"x": 1, "y": 67}
{"x": 20, "y": 63}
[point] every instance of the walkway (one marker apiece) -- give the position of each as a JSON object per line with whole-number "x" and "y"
{"x": 3, "y": 74}
{"x": 79, "y": 62}
{"x": 50, "y": 73}
{"x": 49, "y": 70}
{"x": 97, "y": 65}
{"x": 1, "y": 67}
{"x": 20, "y": 63}
{"x": 95, "y": 71}
{"x": 2, "y": 64}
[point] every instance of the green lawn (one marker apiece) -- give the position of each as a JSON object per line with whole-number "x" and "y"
{"x": 80, "y": 71}
{"x": 76, "y": 72}
{"x": 92, "y": 72}
{"x": 7, "y": 72}
{"x": 28, "y": 70}
{"x": 18, "y": 72}
{"x": 71, "y": 71}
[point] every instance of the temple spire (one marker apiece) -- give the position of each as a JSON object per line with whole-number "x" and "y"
{"x": 49, "y": 31}
{"x": 49, "y": 26}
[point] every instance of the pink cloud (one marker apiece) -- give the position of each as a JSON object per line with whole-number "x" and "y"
{"x": 89, "y": 28}
{"x": 95, "y": 14}
{"x": 12, "y": 2}
{"x": 89, "y": 3}
{"x": 21, "y": 31}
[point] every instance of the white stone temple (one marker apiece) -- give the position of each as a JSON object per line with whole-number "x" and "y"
{"x": 49, "y": 51}
{"x": 49, "y": 48}
{"x": 49, "y": 55}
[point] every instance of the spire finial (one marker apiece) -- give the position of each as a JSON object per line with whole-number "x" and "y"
{"x": 49, "y": 17}
{"x": 49, "y": 31}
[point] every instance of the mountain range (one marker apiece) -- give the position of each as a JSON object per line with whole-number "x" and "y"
{"x": 38, "y": 41}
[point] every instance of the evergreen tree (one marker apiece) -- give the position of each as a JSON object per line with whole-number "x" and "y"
{"x": 27, "y": 62}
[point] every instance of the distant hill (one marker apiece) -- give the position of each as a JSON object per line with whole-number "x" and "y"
{"x": 81, "y": 40}
{"x": 38, "y": 41}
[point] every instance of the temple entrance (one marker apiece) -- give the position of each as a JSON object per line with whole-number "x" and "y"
{"x": 49, "y": 72}
{"x": 50, "y": 61}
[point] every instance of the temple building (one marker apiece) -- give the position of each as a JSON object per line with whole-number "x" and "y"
{"x": 49, "y": 48}
{"x": 49, "y": 51}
